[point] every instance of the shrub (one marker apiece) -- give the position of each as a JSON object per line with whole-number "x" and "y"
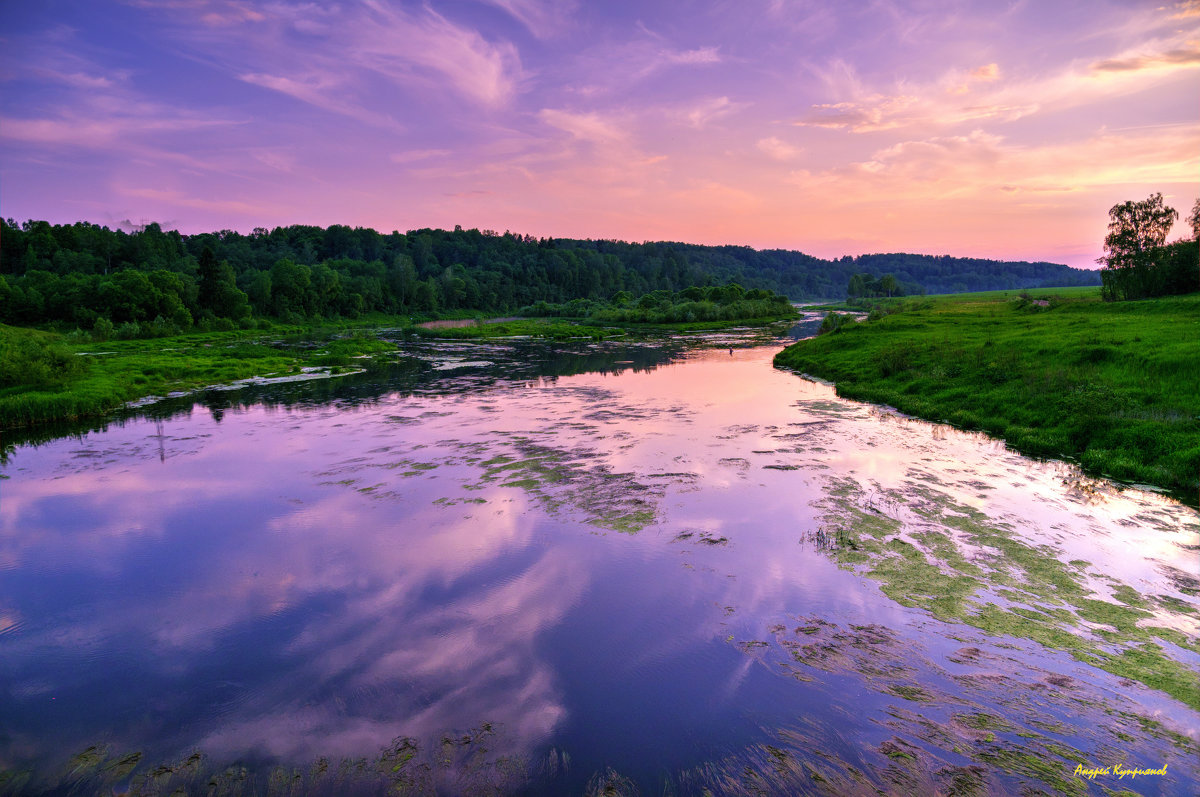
{"x": 103, "y": 329}
{"x": 33, "y": 361}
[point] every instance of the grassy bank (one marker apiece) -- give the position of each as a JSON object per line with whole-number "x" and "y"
{"x": 1055, "y": 373}
{"x": 47, "y": 377}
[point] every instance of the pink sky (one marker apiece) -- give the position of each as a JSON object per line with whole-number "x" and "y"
{"x": 992, "y": 129}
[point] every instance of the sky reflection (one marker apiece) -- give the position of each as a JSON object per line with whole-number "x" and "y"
{"x": 283, "y": 585}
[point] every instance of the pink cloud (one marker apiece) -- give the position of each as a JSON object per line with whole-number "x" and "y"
{"x": 543, "y": 18}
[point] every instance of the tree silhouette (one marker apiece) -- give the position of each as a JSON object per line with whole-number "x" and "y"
{"x": 1136, "y": 232}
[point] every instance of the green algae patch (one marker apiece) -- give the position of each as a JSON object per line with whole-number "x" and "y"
{"x": 985, "y": 735}
{"x": 958, "y": 569}
{"x": 1046, "y": 769}
{"x": 1147, "y": 664}
{"x": 565, "y": 481}
{"x": 627, "y": 523}
{"x": 914, "y": 693}
{"x": 406, "y": 766}
{"x": 981, "y": 721}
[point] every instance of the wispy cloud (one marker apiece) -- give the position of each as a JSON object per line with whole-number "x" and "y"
{"x": 616, "y": 66}
{"x": 983, "y": 93}
{"x": 334, "y": 56}
{"x": 180, "y": 199}
{"x": 701, "y": 55}
{"x": 417, "y": 155}
{"x": 591, "y": 127}
{"x": 99, "y": 131}
{"x": 544, "y": 18}
{"x": 1187, "y": 56}
{"x": 484, "y": 71}
{"x": 323, "y": 91}
{"x": 1187, "y": 8}
{"x": 706, "y": 111}
{"x": 779, "y": 150}
{"x": 980, "y": 163}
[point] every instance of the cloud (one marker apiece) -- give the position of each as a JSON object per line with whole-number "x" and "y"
{"x": 933, "y": 158}
{"x": 216, "y": 13}
{"x": 310, "y": 90}
{"x": 189, "y": 201}
{"x": 702, "y": 55}
{"x": 1184, "y": 57}
{"x": 779, "y": 150}
{"x": 982, "y": 93}
{"x": 616, "y": 66}
{"x": 279, "y": 161}
{"x": 1187, "y": 8}
{"x": 987, "y": 72}
{"x": 79, "y": 80}
{"x": 980, "y": 163}
{"x": 136, "y": 134}
{"x": 710, "y": 110}
{"x": 322, "y": 91}
{"x": 982, "y": 74}
{"x": 590, "y": 127}
{"x": 417, "y": 155}
{"x": 396, "y": 41}
{"x": 333, "y": 56}
{"x": 875, "y": 112}
{"x": 544, "y": 18}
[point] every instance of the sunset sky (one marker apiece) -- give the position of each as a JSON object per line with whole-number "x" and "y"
{"x": 990, "y": 129}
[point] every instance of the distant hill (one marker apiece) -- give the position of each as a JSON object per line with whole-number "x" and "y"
{"x": 804, "y": 277}
{"x": 78, "y": 273}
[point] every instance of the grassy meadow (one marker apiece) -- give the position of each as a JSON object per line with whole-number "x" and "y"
{"x": 1054, "y": 373}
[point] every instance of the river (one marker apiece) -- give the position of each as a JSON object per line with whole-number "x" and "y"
{"x": 651, "y": 567}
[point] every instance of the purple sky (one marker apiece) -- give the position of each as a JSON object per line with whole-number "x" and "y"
{"x": 987, "y": 129}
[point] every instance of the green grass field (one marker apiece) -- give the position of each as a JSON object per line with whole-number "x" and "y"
{"x": 1055, "y": 373}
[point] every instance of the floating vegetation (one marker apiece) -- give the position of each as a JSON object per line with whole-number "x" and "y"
{"x": 467, "y": 762}
{"x": 954, "y": 557}
{"x": 565, "y": 481}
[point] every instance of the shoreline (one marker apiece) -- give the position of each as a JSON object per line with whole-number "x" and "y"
{"x": 1093, "y": 383}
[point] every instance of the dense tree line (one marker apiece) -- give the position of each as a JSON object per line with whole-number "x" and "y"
{"x": 1138, "y": 262}
{"x": 89, "y": 276}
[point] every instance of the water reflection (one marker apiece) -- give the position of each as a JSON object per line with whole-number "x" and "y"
{"x": 670, "y": 565}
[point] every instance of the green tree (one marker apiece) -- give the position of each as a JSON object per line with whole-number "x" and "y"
{"x": 1136, "y": 233}
{"x": 857, "y": 287}
{"x": 218, "y": 290}
{"x": 1194, "y": 220}
{"x": 289, "y": 287}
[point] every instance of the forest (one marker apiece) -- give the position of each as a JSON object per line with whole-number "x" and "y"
{"x": 90, "y": 277}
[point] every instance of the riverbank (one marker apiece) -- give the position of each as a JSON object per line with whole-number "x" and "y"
{"x": 47, "y": 377}
{"x": 1113, "y": 386}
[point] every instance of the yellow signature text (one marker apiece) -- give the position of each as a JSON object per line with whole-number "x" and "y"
{"x": 1091, "y": 773}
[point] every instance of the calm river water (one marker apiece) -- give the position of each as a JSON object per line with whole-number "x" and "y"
{"x": 573, "y": 568}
